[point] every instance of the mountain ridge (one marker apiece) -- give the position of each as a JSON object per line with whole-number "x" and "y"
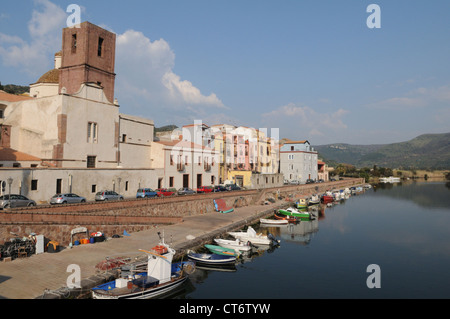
{"x": 426, "y": 151}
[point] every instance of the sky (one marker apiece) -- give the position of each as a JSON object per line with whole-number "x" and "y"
{"x": 315, "y": 70}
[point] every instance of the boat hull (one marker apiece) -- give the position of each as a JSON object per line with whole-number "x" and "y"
{"x": 232, "y": 244}
{"x": 273, "y": 221}
{"x": 212, "y": 259}
{"x": 222, "y": 250}
{"x": 298, "y": 214}
{"x": 153, "y": 292}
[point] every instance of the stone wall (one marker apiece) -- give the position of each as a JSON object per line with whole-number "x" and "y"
{"x": 56, "y": 222}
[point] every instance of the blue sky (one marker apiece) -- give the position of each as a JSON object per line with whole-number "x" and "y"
{"x": 313, "y": 69}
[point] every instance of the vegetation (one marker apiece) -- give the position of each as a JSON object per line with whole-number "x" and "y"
{"x": 429, "y": 151}
{"x": 14, "y": 89}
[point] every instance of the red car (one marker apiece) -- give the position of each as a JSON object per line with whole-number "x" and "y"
{"x": 204, "y": 189}
{"x": 165, "y": 192}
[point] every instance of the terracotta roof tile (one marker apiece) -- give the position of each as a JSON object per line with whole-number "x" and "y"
{"x": 9, "y": 154}
{"x": 13, "y": 97}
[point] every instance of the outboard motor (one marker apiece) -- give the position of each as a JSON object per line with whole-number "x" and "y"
{"x": 273, "y": 239}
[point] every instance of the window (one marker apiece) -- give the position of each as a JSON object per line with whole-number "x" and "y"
{"x": 100, "y": 46}
{"x": 171, "y": 181}
{"x": 74, "y": 43}
{"x": 94, "y": 189}
{"x": 171, "y": 159}
{"x": 126, "y": 186}
{"x": 91, "y": 161}
{"x": 292, "y": 148}
{"x": 34, "y": 184}
{"x": 92, "y": 132}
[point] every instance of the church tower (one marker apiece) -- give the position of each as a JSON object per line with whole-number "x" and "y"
{"x": 88, "y": 56}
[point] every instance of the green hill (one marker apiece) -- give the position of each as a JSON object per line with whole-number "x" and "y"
{"x": 428, "y": 151}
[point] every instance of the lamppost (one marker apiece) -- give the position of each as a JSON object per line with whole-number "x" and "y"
{"x": 10, "y": 180}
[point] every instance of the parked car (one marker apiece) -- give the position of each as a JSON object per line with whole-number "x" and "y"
{"x": 294, "y": 182}
{"x": 186, "y": 191}
{"x": 165, "y": 191}
{"x": 310, "y": 181}
{"x": 66, "y": 198}
{"x": 146, "y": 192}
{"x": 205, "y": 189}
{"x": 107, "y": 195}
{"x": 233, "y": 187}
{"x": 15, "y": 201}
{"x": 220, "y": 188}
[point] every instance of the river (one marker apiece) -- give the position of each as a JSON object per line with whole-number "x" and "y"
{"x": 392, "y": 241}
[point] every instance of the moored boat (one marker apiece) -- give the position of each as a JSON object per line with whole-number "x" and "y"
{"x": 302, "y": 203}
{"x": 162, "y": 276}
{"x": 251, "y": 236}
{"x": 291, "y": 211}
{"x": 314, "y": 200}
{"x": 211, "y": 259}
{"x": 219, "y": 250}
{"x": 267, "y": 221}
{"x": 236, "y": 244}
{"x": 290, "y": 219}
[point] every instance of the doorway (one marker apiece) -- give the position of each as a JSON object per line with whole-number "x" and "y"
{"x": 185, "y": 180}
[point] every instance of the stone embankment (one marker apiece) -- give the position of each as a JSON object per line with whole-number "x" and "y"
{"x": 194, "y": 222}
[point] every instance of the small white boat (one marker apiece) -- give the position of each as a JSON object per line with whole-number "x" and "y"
{"x": 274, "y": 221}
{"x": 251, "y": 236}
{"x": 314, "y": 200}
{"x": 237, "y": 244}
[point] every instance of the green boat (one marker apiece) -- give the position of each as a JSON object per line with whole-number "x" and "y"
{"x": 222, "y": 250}
{"x": 302, "y": 203}
{"x": 291, "y": 211}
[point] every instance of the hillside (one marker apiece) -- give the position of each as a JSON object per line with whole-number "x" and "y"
{"x": 428, "y": 151}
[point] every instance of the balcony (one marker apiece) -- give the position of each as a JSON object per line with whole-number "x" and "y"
{"x": 207, "y": 167}
{"x": 180, "y": 167}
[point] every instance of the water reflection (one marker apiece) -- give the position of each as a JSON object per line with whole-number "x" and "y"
{"x": 424, "y": 194}
{"x": 401, "y": 227}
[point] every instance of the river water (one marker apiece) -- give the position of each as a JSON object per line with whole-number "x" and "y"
{"x": 402, "y": 230}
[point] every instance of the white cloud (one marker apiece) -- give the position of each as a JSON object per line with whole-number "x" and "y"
{"x": 145, "y": 70}
{"x": 45, "y": 32}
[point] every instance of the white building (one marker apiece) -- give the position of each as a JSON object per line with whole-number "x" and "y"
{"x": 72, "y": 130}
{"x": 187, "y": 164}
{"x": 298, "y": 161}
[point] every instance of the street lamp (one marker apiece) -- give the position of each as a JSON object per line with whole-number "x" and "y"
{"x": 10, "y": 180}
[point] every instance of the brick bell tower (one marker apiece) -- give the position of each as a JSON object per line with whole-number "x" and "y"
{"x": 88, "y": 55}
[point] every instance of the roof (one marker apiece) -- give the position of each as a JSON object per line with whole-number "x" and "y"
{"x": 9, "y": 154}
{"x": 51, "y": 76}
{"x": 12, "y": 97}
{"x": 288, "y": 141}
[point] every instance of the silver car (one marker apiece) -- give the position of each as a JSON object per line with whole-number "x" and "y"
{"x": 107, "y": 195}
{"x": 67, "y": 198}
{"x": 15, "y": 201}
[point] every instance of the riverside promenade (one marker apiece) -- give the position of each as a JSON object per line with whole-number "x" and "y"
{"x": 40, "y": 275}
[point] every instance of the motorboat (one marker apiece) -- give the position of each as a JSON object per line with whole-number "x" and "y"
{"x": 236, "y": 244}
{"x": 254, "y": 238}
